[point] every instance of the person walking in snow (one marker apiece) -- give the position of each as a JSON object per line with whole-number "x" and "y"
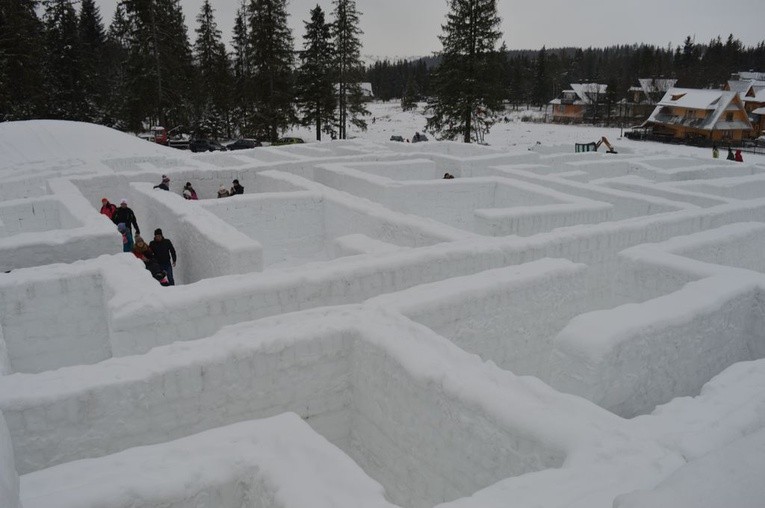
{"x": 189, "y": 192}
{"x": 165, "y": 253}
{"x": 731, "y": 157}
{"x": 108, "y": 208}
{"x": 124, "y": 215}
{"x": 223, "y": 192}
{"x": 739, "y": 157}
{"x": 715, "y": 152}
{"x": 164, "y": 184}
{"x": 236, "y": 189}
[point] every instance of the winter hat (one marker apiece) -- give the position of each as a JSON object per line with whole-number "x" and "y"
{"x": 104, "y": 200}
{"x": 222, "y": 188}
{"x": 157, "y": 232}
{"x": 236, "y": 182}
{"x": 123, "y": 201}
{"x": 188, "y": 184}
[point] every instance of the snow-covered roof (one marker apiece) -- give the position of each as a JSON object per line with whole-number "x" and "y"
{"x": 366, "y": 89}
{"x": 759, "y": 111}
{"x": 759, "y": 95}
{"x": 587, "y": 92}
{"x": 749, "y": 75}
{"x": 652, "y": 86}
{"x": 691, "y": 98}
{"x": 739, "y": 86}
{"x": 714, "y": 102}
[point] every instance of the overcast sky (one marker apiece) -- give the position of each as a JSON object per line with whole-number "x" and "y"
{"x": 403, "y": 28}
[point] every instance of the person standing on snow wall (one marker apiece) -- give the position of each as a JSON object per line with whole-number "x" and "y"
{"x": 165, "y": 254}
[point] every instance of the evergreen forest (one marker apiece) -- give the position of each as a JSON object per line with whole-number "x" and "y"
{"x": 60, "y": 60}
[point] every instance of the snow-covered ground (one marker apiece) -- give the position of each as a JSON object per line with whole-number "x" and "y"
{"x": 548, "y": 329}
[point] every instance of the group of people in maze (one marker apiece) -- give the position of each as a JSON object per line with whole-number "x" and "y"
{"x": 159, "y": 255}
{"x": 731, "y": 156}
{"x": 189, "y": 192}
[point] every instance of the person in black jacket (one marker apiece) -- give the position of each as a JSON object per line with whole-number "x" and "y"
{"x": 164, "y": 252}
{"x": 236, "y": 189}
{"x": 124, "y": 215}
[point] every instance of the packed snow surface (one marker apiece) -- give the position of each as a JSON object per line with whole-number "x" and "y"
{"x": 547, "y": 329}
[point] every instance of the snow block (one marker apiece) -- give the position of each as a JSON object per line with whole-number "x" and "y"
{"x": 362, "y": 389}
{"x": 9, "y": 479}
{"x": 62, "y": 228}
{"x": 277, "y": 462}
{"x": 53, "y": 316}
{"x": 633, "y": 357}
{"x": 731, "y": 476}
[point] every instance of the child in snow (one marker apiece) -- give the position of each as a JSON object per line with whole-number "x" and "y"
{"x": 189, "y": 192}
{"x": 127, "y": 244}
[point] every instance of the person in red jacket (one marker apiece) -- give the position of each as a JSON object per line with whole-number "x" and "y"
{"x": 107, "y": 208}
{"x": 739, "y": 157}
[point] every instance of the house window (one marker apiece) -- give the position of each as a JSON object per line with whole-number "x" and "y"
{"x": 728, "y": 117}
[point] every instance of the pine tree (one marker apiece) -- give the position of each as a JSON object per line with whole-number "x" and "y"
{"x": 242, "y": 77}
{"x": 467, "y": 85}
{"x": 176, "y": 61}
{"x": 92, "y": 47}
{"x": 542, "y": 83}
{"x": 159, "y": 67}
{"x": 212, "y": 76}
{"x": 409, "y": 98}
{"x": 116, "y": 55}
{"x": 21, "y": 50}
{"x": 315, "y": 88}
{"x": 63, "y": 63}
{"x": 271, "y": 60}
{"x": 348, "y": 66}
{"x": 688, "y": 64}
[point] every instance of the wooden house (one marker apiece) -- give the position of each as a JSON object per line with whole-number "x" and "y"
{"x": 641, "y": 100}
{"x": 687, "y": 114}
{"x": 752, "y": 93}
{"x": 577, "y": 104}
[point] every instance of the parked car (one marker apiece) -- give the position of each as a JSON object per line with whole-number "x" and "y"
{"x": 243, "y": 144}
{"x": 287, "y": 141}
{"x": 205, "y": 145}
{"x": 155, "y": 135}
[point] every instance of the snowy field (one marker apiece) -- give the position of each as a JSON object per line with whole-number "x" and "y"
{"x": 548, "y": 329}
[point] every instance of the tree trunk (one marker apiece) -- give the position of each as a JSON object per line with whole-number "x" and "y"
{"x": 318, "y": 123}
{"x": 468, "y": 126}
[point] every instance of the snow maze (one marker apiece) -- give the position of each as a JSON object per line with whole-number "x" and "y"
{"x": 547, "y": 329}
